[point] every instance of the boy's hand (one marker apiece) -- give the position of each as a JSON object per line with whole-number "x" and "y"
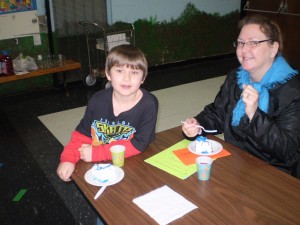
{"x": 65, "y": 170}
{"x": 86, "y": 152}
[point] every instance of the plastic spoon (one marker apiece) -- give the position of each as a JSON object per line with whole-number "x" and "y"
{"x": 207, "y": 131}
{"x": 100, "y": 191}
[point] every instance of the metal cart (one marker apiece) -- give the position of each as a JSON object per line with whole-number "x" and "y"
{"x": 99, "y": 42}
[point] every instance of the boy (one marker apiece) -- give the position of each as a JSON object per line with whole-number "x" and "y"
{"x": 123, "y": 114}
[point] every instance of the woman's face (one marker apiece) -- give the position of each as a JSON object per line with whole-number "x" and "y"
{"x": 256, "y": 59}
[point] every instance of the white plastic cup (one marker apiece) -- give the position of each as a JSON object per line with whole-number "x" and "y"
{"x": 204, "y": 164}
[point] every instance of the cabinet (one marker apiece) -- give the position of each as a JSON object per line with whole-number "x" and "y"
{"x": 287, "y": 14}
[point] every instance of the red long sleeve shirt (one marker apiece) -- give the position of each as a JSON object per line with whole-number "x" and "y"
{"x": 100, "y": 153}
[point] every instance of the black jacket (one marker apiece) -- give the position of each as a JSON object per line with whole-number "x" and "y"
{"x": 274, "y": 136}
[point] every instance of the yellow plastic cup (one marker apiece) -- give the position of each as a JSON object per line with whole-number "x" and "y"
{"x": 117, "y": 155}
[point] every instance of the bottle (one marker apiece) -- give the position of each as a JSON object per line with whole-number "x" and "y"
{"x": 7, "y": 64}
{"x": 40, "y": 63}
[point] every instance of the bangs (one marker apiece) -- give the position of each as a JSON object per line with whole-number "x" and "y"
{"x": 129, "y": 56}
{"x": 133, "y": 64}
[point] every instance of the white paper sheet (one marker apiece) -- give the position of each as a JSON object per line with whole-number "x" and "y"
{"x": 164, "y": 205}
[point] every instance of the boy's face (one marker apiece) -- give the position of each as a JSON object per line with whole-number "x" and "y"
{"x": 125, "y": 79}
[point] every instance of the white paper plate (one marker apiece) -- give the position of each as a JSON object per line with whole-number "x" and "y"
{"x": 216, "y": 148}
{"x": 89, "y": 177}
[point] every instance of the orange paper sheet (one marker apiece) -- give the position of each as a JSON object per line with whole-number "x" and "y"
{"x": 189, "y": 158}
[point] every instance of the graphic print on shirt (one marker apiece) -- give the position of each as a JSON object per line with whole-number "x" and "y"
{"x": 104, "y": 132}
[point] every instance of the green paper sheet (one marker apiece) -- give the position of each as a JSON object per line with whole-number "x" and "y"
{"x": 166, "y": 160}
{"x": 20, "y": 194}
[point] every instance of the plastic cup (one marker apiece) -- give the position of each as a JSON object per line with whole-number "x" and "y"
{"x": 117, "y": 155}
{"x": 61, "y": 60}
{"x": 203, "y": 167}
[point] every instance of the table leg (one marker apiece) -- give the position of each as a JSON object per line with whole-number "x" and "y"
{"x": 59, "y": 85}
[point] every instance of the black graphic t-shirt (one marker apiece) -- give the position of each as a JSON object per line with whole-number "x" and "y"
{"x": 136, "y": 125}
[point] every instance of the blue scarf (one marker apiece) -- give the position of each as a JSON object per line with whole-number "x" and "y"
{"x": 279, "y": 73}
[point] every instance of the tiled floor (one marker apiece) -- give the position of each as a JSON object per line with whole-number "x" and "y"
{"x": 29, "y": 153}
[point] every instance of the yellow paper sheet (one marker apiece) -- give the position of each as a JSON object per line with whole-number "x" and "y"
{"x": 166, "y": 160}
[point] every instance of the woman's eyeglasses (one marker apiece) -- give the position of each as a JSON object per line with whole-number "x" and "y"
{"x": 251, "y": 44}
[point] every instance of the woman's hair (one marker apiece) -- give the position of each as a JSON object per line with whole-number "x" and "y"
{"x": 127, "y": 55}
{"x": 267, "y": 26}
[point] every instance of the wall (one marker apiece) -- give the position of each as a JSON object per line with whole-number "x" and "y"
{"x": 194, "y": 34}
{"x": 157, "y": 28}
{"x": 132, "y": 10}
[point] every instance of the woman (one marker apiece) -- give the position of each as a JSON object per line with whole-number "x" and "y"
{"x": 258, "y": 106}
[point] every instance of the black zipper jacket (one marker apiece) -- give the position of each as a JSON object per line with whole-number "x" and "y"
{"x": 274, "y": 136}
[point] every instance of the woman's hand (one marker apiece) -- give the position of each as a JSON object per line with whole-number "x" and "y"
{"x": 250, "y": 98}
{"x": 86, "y": 152}
{"x": 189, "y": 127}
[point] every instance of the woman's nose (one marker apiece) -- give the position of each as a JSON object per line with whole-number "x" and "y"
{"x": 246, "y": 48}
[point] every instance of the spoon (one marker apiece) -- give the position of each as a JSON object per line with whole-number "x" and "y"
{"x": 207, "y": 131}
{"x": 100, "y": 191}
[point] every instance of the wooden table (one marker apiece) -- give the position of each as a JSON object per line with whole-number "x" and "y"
{"x": 242, "y": 189}
{"x": 69, "y": 65}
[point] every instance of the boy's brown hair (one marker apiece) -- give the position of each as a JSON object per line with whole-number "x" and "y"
{"x": 127, "y": 55}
